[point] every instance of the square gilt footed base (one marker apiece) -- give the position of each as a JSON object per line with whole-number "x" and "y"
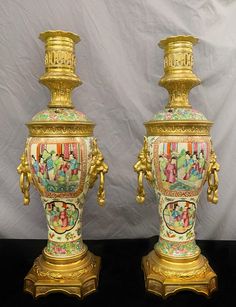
{"x": 165, "y": 277}
{"x": 77, "y": 276}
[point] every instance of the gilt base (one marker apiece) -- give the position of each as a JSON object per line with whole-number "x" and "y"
{"x": 77, "y": 276}
{"x": 164, "y": 276}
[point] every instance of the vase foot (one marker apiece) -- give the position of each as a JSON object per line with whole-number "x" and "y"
{"x": 164, "y": 277}
{"x": 77, "y": 276}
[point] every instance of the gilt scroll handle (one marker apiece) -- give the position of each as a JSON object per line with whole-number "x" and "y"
{"x": 212, "y": 179}
{"x": 25, "y": 178}
{"x": 98, "y": 167}
{"x": 144, "y": 169}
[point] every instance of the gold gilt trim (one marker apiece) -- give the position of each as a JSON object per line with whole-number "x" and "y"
{"x": 25, "y": 177}
{"x": 178, "y": 77}
{"x": 212, "y": 179}
{"x": 163, "y": 277}
{"x": 156, "y": 128}
{"x": 78, "y": 278}
{"x": 143, "y": 168}
{"x": 60, "y": 66}
{"x": 98, "y": 167}
{"x": 44, "y": 36}
{"x": 60, "y": 129}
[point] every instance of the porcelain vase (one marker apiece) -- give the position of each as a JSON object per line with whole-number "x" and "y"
{"x": 62, "y": 160}
{"x": 177, "y": 159}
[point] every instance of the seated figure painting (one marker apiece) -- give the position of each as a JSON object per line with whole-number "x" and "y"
{"x": 61, "y": 216}
{"x": 182, "y": 165}
{"x": 179, "y": 216}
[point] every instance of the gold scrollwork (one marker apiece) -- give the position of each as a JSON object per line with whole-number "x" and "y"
{"x": 178, "y": 128}
{"x": 25, "y": 177}
{"x": 144, "y": 168}
{"x": 42, "y": 129}
{"x": 43, "y": 273}
{"x": 173, "y": 60}
{"x": 183, "y": 275}
{"x": 59, "y": 57}
{"x": 98, "y": 167}
{"x": 212, "y": 179}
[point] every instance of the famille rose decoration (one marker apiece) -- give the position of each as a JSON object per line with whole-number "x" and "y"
{"x": 63, "y": 161}
{"x": 177, "y": 159}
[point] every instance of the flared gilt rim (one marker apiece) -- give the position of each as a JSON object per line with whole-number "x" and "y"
{"x": 195, "y": 128}
{"x": 59, "y": 33}
{"x": 178, "y": 38}
{"x": 60, "y": 129}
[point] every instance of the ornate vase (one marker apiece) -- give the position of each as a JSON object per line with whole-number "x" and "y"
{"x": 62, "y": 160}
{"x": 177, "y": 159}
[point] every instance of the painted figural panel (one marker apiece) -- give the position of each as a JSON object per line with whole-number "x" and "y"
{"x": 179, "y": 216}
{"x": 180, "y": 165}
{"x": 61, "y": 216}
{"x": 59, "y": 167}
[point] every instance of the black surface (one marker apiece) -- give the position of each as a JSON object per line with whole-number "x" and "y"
{"x": 121, "y": 278}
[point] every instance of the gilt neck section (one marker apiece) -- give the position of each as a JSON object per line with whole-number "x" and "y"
{"x": 60, "y": 66}
{"x": 178, "y": 77}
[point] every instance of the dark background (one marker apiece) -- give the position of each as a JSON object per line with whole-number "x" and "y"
{"x": 121, "y": 278}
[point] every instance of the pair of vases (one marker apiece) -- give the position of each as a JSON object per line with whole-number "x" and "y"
{"x": 62, "y": 160}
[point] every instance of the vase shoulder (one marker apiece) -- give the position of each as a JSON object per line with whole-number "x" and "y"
{"x": 60, "y": 115}
{"x": 178, "y": 121}
{"x": 180, "y": 114}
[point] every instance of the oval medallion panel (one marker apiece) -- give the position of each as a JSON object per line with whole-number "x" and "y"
{"x": 61, "y": 216}
{"x": 179, "y": 216}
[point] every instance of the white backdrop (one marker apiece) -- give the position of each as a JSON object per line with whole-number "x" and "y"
{"x": 120, "y": 65}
